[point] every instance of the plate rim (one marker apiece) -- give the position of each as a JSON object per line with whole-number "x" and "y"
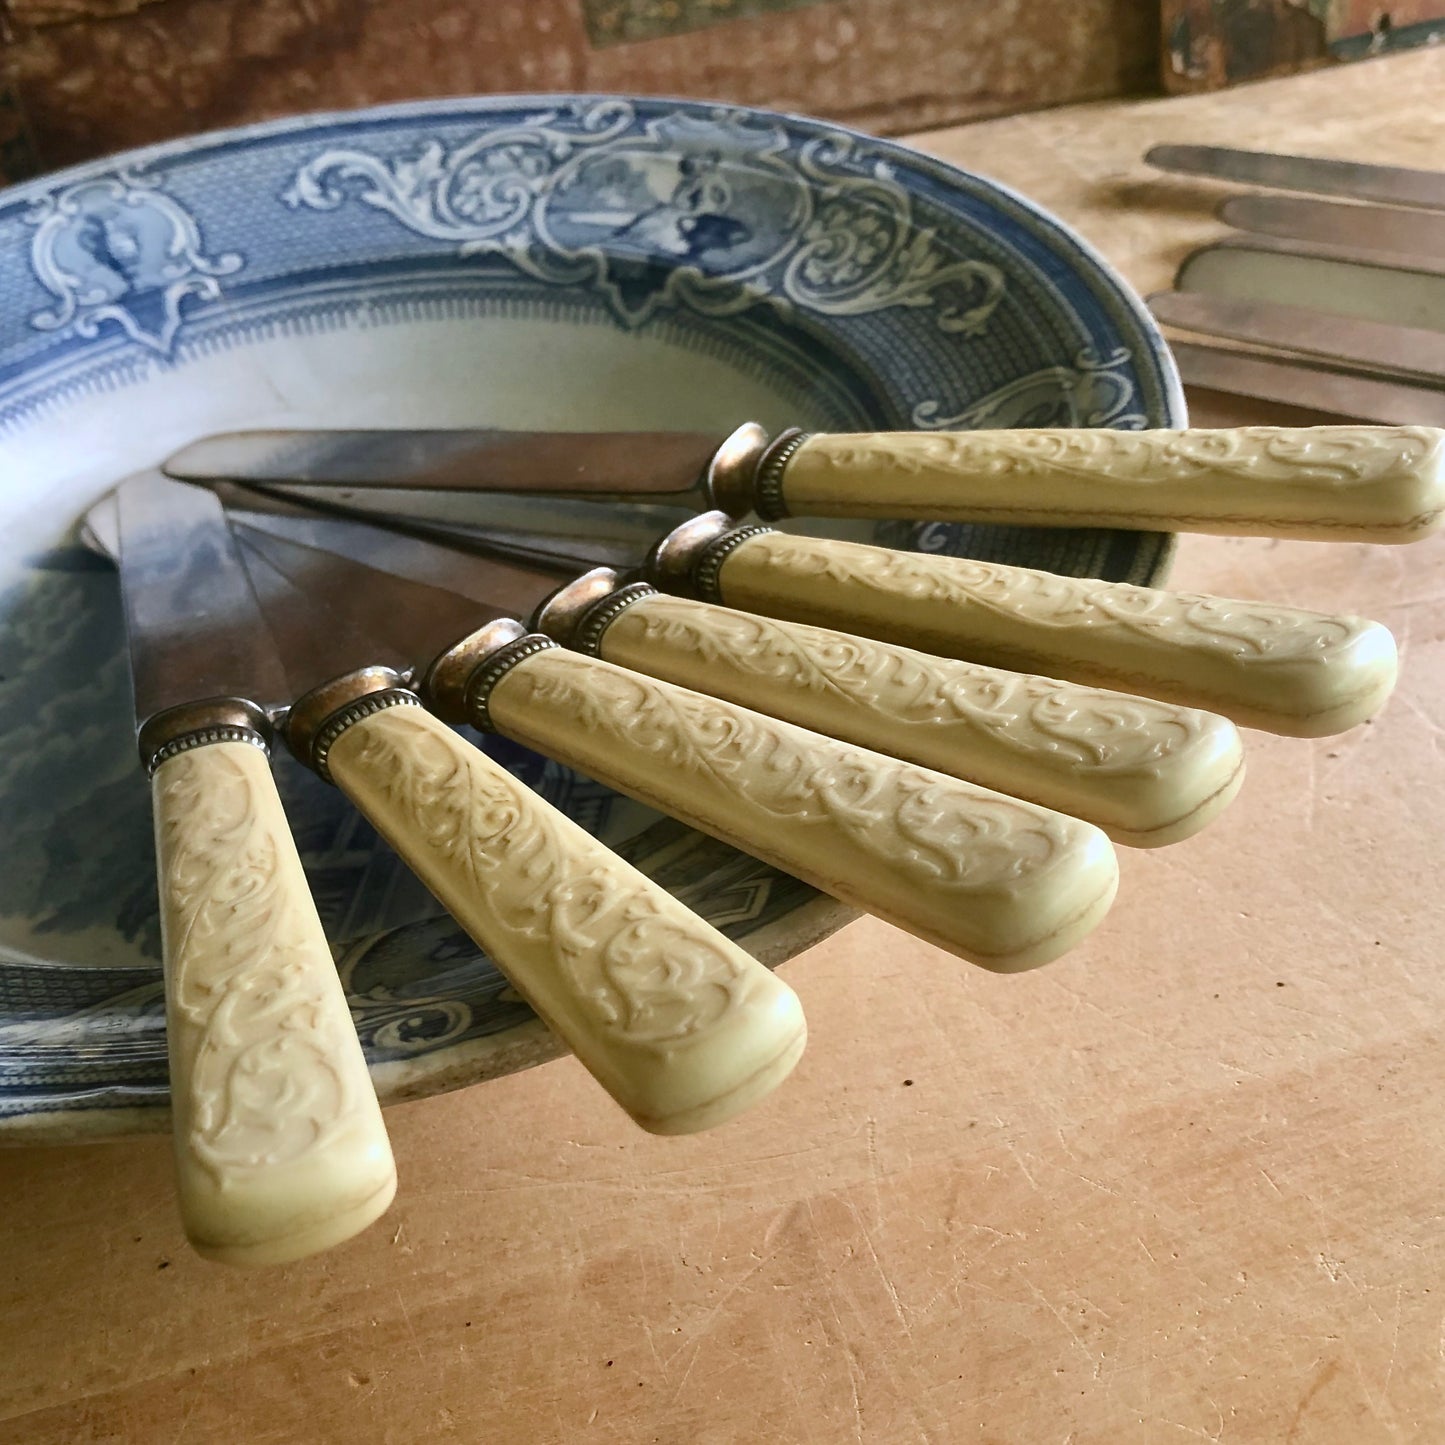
{"x": 433, "y": 1072}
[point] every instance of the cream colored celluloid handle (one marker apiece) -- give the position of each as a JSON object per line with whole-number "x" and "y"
{"x": 681, "y": 1026}
{"x": 1337, "y": 483}
{"x": 1305, "y": 674}
{"x": 1146, "y": 772}
{"x": 280, "y": 1146}
{"x": 994, "y": 879}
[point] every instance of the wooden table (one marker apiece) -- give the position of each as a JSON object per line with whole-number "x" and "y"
{"x": 1184, "y": 1184}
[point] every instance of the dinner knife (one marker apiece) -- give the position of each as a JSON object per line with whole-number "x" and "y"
{"x": 683, "y": 1028}
{"x": 1282, "y": 669}
{"x": 279, "y": 1142}
{"x": 680, "y": 1025}
{"x": 1387, "y": 185}
{"x": 1147, "y": 772}
{"x": 1362, "y": 483}
{"x": 991, "y": 878}
{"x": 1301, "y": 383}
{"x": 1395, "y": 290}
{"x": 1410, "y": 351}
{"x": 1371, "y": 228}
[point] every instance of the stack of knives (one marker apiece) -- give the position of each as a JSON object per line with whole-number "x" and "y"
{"x": 950, "y": 744}
{"x": 1338, "y": 291}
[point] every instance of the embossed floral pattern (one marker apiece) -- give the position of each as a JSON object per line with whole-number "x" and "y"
{"x": 904, "y": 820}
{"x": 1078, "y": 728}
{"x": 641, "y": 969}
{"x": 1254, "y": 633}
{"x": 248, "y": 1006}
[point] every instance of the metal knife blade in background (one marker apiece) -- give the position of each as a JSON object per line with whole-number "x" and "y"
{"x": 1149, "y": 773}
{"x": 1394, "y": 290}
{"x": 280, "y": 1146}
{"x": 1342, "y": 394}
{"x": 991, "y": 878}
{"x": 1388, "y": 185}
{"x": 1372, "y": 228}
{"x": 1264, "y": 482}
{"x": 1409, "y": 352}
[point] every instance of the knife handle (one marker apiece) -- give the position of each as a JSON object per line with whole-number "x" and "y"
{"x": 1147, "y": 772}
{"x": 680, "y": 1025}
{"x": 280, "y": 1146}
{"x": 1304, "y": 674}
{"x": 993, "y": 879}
{"x": 1338, "y": 483}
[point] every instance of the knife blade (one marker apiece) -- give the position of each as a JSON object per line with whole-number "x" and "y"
{"x": 1404, "y": 351}
{"x": 279, "y": 1142}
{"x": 1147, "y": 772}
{"x": 1373, "y": 228}
{"x": 1395, "y": 290}
{"x": 1388, "y": 185}
{"x": 1298, "y": 383}
{"x": 991, "y": 878}
{"x": 1281, "y": 669}
{"x": 679, "y": 1025}
{"x": 1254, "y": 481}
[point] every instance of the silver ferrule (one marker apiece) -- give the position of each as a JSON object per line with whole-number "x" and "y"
{"x": 768, "y": 500}
{"x": 706, "y": 570}
{"x": 728, "y": 480}
{"x": 671, "y": 561}
{"x": 449, "y": 676}
{"x": 560, "y": 613}
{"x": 587, "y": 634}
{"x": 479, "y": 686}
{"x": 195, "y": 724}
{"x": 317, "y": 718}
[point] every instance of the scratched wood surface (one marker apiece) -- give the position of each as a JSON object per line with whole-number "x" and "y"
{"x": 1184, "y": 1185}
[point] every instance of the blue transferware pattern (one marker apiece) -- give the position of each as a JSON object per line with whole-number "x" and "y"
{"x": 562, "y": 261}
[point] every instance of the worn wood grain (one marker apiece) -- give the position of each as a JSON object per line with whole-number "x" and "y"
{"x": 1183, "y": 1185}
{"x": 174, "y": 67}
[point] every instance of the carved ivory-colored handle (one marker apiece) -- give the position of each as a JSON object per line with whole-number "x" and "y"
{"x": 678, "y": 1024}
{"x": 1305, "y": 674}
{"x": 1146, "y": 772}
{"x": 996, "y": 880}
{"x": 280, "y": 1146}
{"x": 1339, "y": 483}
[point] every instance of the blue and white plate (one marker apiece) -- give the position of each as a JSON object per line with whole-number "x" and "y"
{"x": 572, "y": 262}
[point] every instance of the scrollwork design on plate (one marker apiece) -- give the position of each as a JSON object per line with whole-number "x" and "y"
{"x": 1094, "y": 392}
{"x": 405, "y": 1026}
{"x": 246, "y": 1001}
{"x": 119, "y": 249}
{"x": 631, "y": 958}
{"x": 711, "y": 212}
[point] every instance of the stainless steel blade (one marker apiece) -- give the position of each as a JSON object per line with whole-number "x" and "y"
{"x": 1395, "y": 350}
{"x": 1372, "y": 228}
{"x": 612, "y": 464}
{"x": 589, "y": 534}
{"x": 504, "y": 586}
{"x": 1389, "y": 185}
{"x": 364, "y": 616}
{"x": 195, "y": 628}
{"x": 1360, "y": 398}
{"x": 1393, "y": 290}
